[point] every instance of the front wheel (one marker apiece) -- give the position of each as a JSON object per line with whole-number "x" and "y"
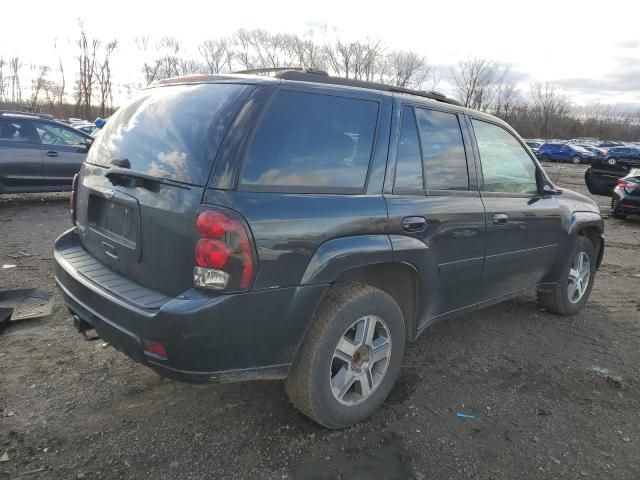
{"x": 572, "y": 291}
{"x": 576, "y": 160}
{"x": 350, "y": 358}
{"x": 545, "y": 158}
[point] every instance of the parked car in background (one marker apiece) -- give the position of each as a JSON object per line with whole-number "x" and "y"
{"x": 534, "y": 146}
{"x": 597, "y": 151}
{"x": 608, "y": 144}
{"x": 623, "y": 156}
{"x": 38, "y": 154}
{"x": 626, "y": 195}
{"x": 87, "y": 127}
{"x": 602, "y": 177}
{"x": 564, "y": 152}
{"x": 316, "y": 225}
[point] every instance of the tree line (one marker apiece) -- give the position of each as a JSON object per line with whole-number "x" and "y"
{"x": 541, "y": 111}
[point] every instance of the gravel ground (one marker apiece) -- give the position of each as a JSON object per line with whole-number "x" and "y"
{"x": 552, "y": 397}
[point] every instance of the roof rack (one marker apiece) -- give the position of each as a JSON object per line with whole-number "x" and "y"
{"x": 277, "y": 70}
{"x": 26, "y": 114}
{"x": 320, "y": 76}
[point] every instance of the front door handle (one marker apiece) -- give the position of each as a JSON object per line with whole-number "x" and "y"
{"x": 500, "y": 219}
{"x": 51, "y": 153}
{"x": 414, "y": 224}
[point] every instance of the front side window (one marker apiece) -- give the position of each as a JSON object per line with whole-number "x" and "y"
{"x": 14, "y": 131}
{"x": 506, "y": 166}
{"x": 408, "y": 161}
{"x": 443, "y": 154}
{"x": 311, "y": 142}
{"x": 51, "y": 134}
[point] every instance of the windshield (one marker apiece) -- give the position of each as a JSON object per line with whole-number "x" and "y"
{"x": 171, "y": 132}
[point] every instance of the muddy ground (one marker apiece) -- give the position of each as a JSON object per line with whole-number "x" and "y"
{"x": 552, "y": 397}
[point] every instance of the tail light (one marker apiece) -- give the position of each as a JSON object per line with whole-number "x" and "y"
{"x": 72, "y": 200}
{"x": 224, "y": 253}
{"x": 627, "y": 184}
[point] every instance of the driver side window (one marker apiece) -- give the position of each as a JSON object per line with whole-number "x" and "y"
{"x": 506, "y": 166}
{"x": 51, "y": 134}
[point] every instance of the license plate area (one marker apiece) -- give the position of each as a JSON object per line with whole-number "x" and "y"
{"x": 113, "y": 220}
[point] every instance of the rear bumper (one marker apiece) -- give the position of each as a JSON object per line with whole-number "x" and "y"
{"x": 208, "y": 337}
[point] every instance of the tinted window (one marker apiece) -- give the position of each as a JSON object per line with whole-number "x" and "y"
{"x": 52, "y": 134}
{"x": 408, "y": 161}
{"x": 13, "y": 131}
{"x": 443, "y": 154}
{"x": 311, "y": 142}
{"x": 506, "y": 166}
{"x": 171, "y": 132}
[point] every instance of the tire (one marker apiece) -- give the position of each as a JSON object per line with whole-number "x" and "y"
{"x": 545, "y": 158}
{"x": 320, "y": 365}
{"x": 612, "y": 161}
{"x": 557, "y": 300}
{"x": 576, "y": 160}
{"x": 619, "y": 216}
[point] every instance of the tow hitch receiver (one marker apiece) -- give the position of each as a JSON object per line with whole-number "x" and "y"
{"x": 83, "y": 327}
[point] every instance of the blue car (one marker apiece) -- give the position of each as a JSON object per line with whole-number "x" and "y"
{"x": 564, "y": 152}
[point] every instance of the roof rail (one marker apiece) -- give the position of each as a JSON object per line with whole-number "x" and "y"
{"x": 276, "y": 70}
{"x": 320, "y": 76}
{"x": 27, "y": 114}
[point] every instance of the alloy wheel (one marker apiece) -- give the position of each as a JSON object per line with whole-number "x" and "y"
{"x": 360, "y": 360}
{"x": 579, "y": 274}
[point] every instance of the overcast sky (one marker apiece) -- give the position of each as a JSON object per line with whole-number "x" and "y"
{"x": 590, "y": 49}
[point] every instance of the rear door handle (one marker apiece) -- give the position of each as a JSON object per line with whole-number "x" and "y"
{"x": 51, "y": 153}
{"x": 414, "y": 224}
{"x": 500, "y": 219}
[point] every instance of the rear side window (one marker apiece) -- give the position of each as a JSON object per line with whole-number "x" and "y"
{"x": 13, "y": 131}
{"x": 311, "y": 143}
{"x": 445, "y": 163}
{"x": 408, "y": 161}
{"x": 171, "y": 132}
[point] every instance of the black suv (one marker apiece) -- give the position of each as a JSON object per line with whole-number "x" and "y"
{"x": 306, "y": 227}
{"x": 601, "y": 178}
{"x": 38, "y": 153}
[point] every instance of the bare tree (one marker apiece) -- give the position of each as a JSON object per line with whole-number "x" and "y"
{"x": 548, "y": 107}
{"x": 477, "y": 81}
{"x": 217, "y": 55}
{"x": 86, "y": 71}
{"x": 3, "y": 95}
{"x": 507, "y": 101}
{"x": 16, "y": 91}
{"x": 307, "y": 52}
{"x": 103, "y": 77}
{"x": 408, "y": 70}
{"x": 358, "y": 60}
{"x": 39, "y": 85}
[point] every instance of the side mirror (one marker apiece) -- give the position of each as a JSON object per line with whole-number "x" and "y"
{"x": 88, "y": 142}
{"x": 550, "y": 190}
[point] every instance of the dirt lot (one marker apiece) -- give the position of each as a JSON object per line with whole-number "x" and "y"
{"x": 552, "y": 397}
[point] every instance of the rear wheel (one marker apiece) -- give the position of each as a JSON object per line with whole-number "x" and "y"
{"x": 350, "y": 358}
{"x": 576, "y": 160}
{"x": 573, "y": 290}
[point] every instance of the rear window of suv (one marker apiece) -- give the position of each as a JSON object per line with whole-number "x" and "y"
{"x": 307, "y": 142}
{"x": 171, "y": 132}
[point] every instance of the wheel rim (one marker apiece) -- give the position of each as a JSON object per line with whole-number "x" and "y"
{"x": 576, "y": 160}
{"x": 579, "y": 274}
{"x": 360, "y": 360}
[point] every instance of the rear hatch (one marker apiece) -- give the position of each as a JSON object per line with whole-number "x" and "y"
{"x": 144, "y": 178}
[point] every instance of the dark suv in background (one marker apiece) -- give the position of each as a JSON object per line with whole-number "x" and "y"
{"x": 306, "y": 227}
{"x": 602, "y": 177}
{"x": 38, "y": 153}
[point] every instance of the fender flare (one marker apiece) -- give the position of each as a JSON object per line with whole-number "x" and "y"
{"x": 336, "y": 256}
